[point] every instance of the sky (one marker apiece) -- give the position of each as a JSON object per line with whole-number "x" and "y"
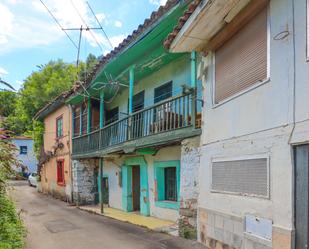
{"x": 29, "y": 37}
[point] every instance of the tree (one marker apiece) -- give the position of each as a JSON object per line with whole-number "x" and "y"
{"x": 12, "y": 231}
{"x": 7, "y": 103}
{"x": 40, "y": 88}
{"x": 86, "y": 68}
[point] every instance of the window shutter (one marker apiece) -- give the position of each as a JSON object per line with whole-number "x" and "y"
{"x": 242, "y": 61}
{"x": 248, "y": 176}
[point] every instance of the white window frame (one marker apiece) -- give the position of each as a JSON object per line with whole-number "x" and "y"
{"x": 255, "y": 85}
{"x": 239, "y": 158}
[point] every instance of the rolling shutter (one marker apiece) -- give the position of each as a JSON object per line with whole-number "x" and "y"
{"x": 242, "y": 61}
{"x": 247, "y": 177}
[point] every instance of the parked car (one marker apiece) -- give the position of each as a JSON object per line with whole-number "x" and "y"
{"x": 32, "y": 179}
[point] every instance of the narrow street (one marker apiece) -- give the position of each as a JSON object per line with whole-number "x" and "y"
{"x": 53, "y": 224}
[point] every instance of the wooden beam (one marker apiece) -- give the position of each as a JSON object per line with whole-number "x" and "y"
{"x": 239, "y": 21}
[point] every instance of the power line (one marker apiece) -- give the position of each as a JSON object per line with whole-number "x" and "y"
{"x": 100, "y": 25}
{"x": 55, "y": 19}
{"x": 87, "y": 27}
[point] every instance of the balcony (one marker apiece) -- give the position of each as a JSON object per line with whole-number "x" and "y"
{"x": 167, "y": 122}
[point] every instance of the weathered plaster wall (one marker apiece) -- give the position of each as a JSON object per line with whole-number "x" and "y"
{"x": 189, "y": 187}
{"x": 164, "y": 154}
{"x": 178, "y": 71}
{"x": 49, "y": 178}
{"x": 273, "y": 144}
{"x": 189, "y": 163}
{"x": 49, "y": 169}
{"x": 259, "y": 121}
{"x": 251, "y": 112}
{"x": 112, "y": 169}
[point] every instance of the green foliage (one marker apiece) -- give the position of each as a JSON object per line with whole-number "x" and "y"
{"x": 40, "y": 88}
{"x": 7, "y": 103}
{"x": 85, "y": 68}
{"x": 12, "y": 231}
{"x": 43, "y": 86}
{"x": 38, "y": 131}
{"x": 7, "y": 159}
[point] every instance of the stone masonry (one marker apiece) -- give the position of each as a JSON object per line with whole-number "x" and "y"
{"x": 84, "y": 189}
{"x": 190, "y": 161}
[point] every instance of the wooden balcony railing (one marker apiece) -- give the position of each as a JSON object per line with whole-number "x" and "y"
{"x": 176, "y": 113}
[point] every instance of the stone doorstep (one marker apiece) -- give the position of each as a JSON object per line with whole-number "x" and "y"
{"x": 149, "y": 222}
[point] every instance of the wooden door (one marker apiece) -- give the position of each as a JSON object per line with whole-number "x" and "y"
{"x": 136, "y": 188}
{"x": 301, "y": 196}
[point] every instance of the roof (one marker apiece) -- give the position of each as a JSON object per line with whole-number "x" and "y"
{"x": 22, "y": 138}
{"x": 181, "y": 22}
{"x": 131, "y": 39}
{"x": 55, "y": 103}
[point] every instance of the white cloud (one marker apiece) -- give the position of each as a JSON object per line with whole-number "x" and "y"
{"x": 28, "y": 24}
{"x": 118, "y": 24}
{"x": 3, "y": 71}
{"x": 101, "y": 17}
{"x": 117, "y": 39}
{"x": 6, "y": 24}
{"x": 158, "y": 2}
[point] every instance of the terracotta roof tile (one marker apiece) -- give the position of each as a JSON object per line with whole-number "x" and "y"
{"x": 181, "y": 22}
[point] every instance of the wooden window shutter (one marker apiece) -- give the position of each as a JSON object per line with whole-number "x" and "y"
{"x": 242, "y": 61}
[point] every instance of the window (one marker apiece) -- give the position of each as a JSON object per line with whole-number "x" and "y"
{"x": 59, "y": 127}
{"x": 167, "y": 178}
{"x": 163, "y": 92}
{"x": 23, "y": 150}
{"x": 111, "y": 115}
{"x": 242, "y": 61}
{"x": 77, "y": 117}
{"x": 170, "y": 184}
{"x": 245, "y": 176}
{"x": 60, "y": 172}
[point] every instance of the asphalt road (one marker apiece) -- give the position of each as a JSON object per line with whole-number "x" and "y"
{"x": 53, "y": 224}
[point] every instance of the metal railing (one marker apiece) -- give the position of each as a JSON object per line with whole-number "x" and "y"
{"x": 175, "y": 113}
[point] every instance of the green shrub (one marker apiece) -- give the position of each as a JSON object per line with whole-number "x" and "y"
{"x": 12, "y": 231}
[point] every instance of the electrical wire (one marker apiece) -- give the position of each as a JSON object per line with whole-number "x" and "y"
{"x": 59, "y": 24}
{"x": 100, "y": 25}
{"x": 83, "y": 20}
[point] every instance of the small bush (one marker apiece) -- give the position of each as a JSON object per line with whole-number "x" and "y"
{"x": 12, "y": 231}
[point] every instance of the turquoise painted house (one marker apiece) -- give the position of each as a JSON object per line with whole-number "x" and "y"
{"x": 136, "y": 126}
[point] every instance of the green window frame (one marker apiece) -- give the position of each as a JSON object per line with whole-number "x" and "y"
{"x": 163, "y": 198}
{"x": 59, "y": 127}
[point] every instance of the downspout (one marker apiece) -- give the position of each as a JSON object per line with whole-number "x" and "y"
{"x": 193, "y": 86}
{"x": 294, "y": 75}
{"x": 71, "y": 134}
{"x": 292, "y": 131}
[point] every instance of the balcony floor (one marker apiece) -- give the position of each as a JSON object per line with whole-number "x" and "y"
{"x": 155, "y": 140}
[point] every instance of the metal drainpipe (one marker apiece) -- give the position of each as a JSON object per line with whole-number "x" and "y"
{"x": 71, "y": 134}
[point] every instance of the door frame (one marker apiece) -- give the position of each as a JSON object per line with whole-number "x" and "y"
{"x": 127, "y": 201}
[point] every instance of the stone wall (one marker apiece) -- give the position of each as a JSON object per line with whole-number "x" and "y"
{"x": 189, "y": 187}
{"x": 84, "y": 181}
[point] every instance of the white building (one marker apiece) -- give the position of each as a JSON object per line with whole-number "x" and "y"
{"x": 25, "y": 154}
{"x": 255, "y": 133}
